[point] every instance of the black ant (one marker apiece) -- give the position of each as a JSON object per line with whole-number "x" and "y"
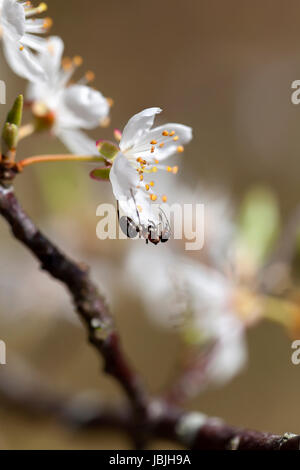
{"x": 151, "y": 233}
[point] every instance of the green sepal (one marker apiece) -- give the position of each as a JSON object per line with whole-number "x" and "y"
{"x": 107, "y": 149}
{"x": 100, "y": 174}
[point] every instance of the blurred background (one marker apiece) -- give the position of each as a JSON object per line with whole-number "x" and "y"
{"x": 224, "y": 68}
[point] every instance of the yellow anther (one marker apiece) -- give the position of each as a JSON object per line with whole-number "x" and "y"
{"x": 165, "y": 133}
{"x": 154, "y": 169}
{"x": 77, "y": 60}
{"x": 21, "y": 48}
{"x": 110, "y": 102}
{"x": 48, "y": 22}
{"x": 172, "y": 133}
{"x": 152, "y": 183}
{"x": 147, "y": 187}
{"x": 153, "y": 197}
{"x": 153, "y": 142}
{"x": 164, "y": 199}
{"x": 175, "y": 170}
{"x": 66, "y": 63}
{"x": 105, "y": 122}
{"x": 162, "y": 145}
{"x": 42, "y": 7}
{"x": 141, "y": 178}
{"x": 169, "y": 169}
{"x": 176, "y": 138}
{"x": 90, "y": 76}
{"x": 152, "y": 149}
{"x": 156, "y": 161}
{"x": 180, "y": 149}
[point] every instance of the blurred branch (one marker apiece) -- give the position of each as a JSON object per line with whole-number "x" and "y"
{"x": 25, "y": 389}
{"x": 144, "y": 418}
{"x": 88, "y": 302}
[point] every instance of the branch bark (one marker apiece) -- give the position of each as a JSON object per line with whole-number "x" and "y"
{"x": 158, "y": 418}
{"x": 88, "y": 302}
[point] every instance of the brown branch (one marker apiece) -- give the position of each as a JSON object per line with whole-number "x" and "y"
{"x": 88, "y": 302}
{"x": 24, "y": 389}
{"x": 156, "y": 418}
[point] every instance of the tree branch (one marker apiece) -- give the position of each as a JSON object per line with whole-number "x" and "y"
{"x": 158, "y": 418}
{"x": 88, "y": 302}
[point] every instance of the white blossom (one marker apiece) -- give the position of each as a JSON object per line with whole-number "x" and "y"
{"x": 19, "y": 29}
{"x": 66, "y": 108}
{"x": 142, "y": 149}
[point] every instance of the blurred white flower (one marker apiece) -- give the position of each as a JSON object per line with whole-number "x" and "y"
{"x": 142, "y": 149}
{"x": 19, "y": 31}
{"x": 66, "y": 108}
{"x": 199, "y": 301}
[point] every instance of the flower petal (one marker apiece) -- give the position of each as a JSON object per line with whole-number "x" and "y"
{"x": 83, "y": 107}
{"x": 156, "y": 145}
{"x": 24, "y": 63}
{"x": 78, "y": 142}
{"x": 12, "y": 20}
{"x": 133, "y": 202}
{"x": 137, "y": 127}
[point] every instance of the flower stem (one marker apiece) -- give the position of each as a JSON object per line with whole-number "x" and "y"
{"x": 26, "y": 131}
{"x": 59, "y": 158}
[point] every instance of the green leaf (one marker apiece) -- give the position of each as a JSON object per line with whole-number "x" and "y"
{"x": 107, "y": 149}
{"x": 15, "y": 114}
{"x": 259, "y": 223}
{"x": 100, "y": 174}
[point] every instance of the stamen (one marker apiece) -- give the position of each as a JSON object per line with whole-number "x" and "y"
{"x": 152, "y": 149}
{"x": 153, "y": 197}
{"x": 176, "y": 138}
{"x": 152, "y": 183}
{"x": 154, "y": 169}
{"x": 162, "y": 145}
{"x": 48, "y": 22}
{"x": 180, "y": 149}
{"x": 164, "y": 199}
{"x": 175, "y": 170}
{"x": 77, "y": 60}
{"x": 169, "y": 169}
{"x": 90, "y": 76}
{"x": 166, "y": 133}
{"x": 172, "y": 133}
{"x": 147, "y": 187}
{"x": 110, "y": 102}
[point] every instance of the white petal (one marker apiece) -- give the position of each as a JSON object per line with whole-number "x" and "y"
{"x": 23, "y": 63}
{"x": 12, "y": 20}
{"x": 124, "y": 178}
{"x": 137, "y": 127}
{"x": 83, "y": 107}
{"x": 166, "y": 145}
{"x": 78, "y": 142}
{"x": 134, "y": 202}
